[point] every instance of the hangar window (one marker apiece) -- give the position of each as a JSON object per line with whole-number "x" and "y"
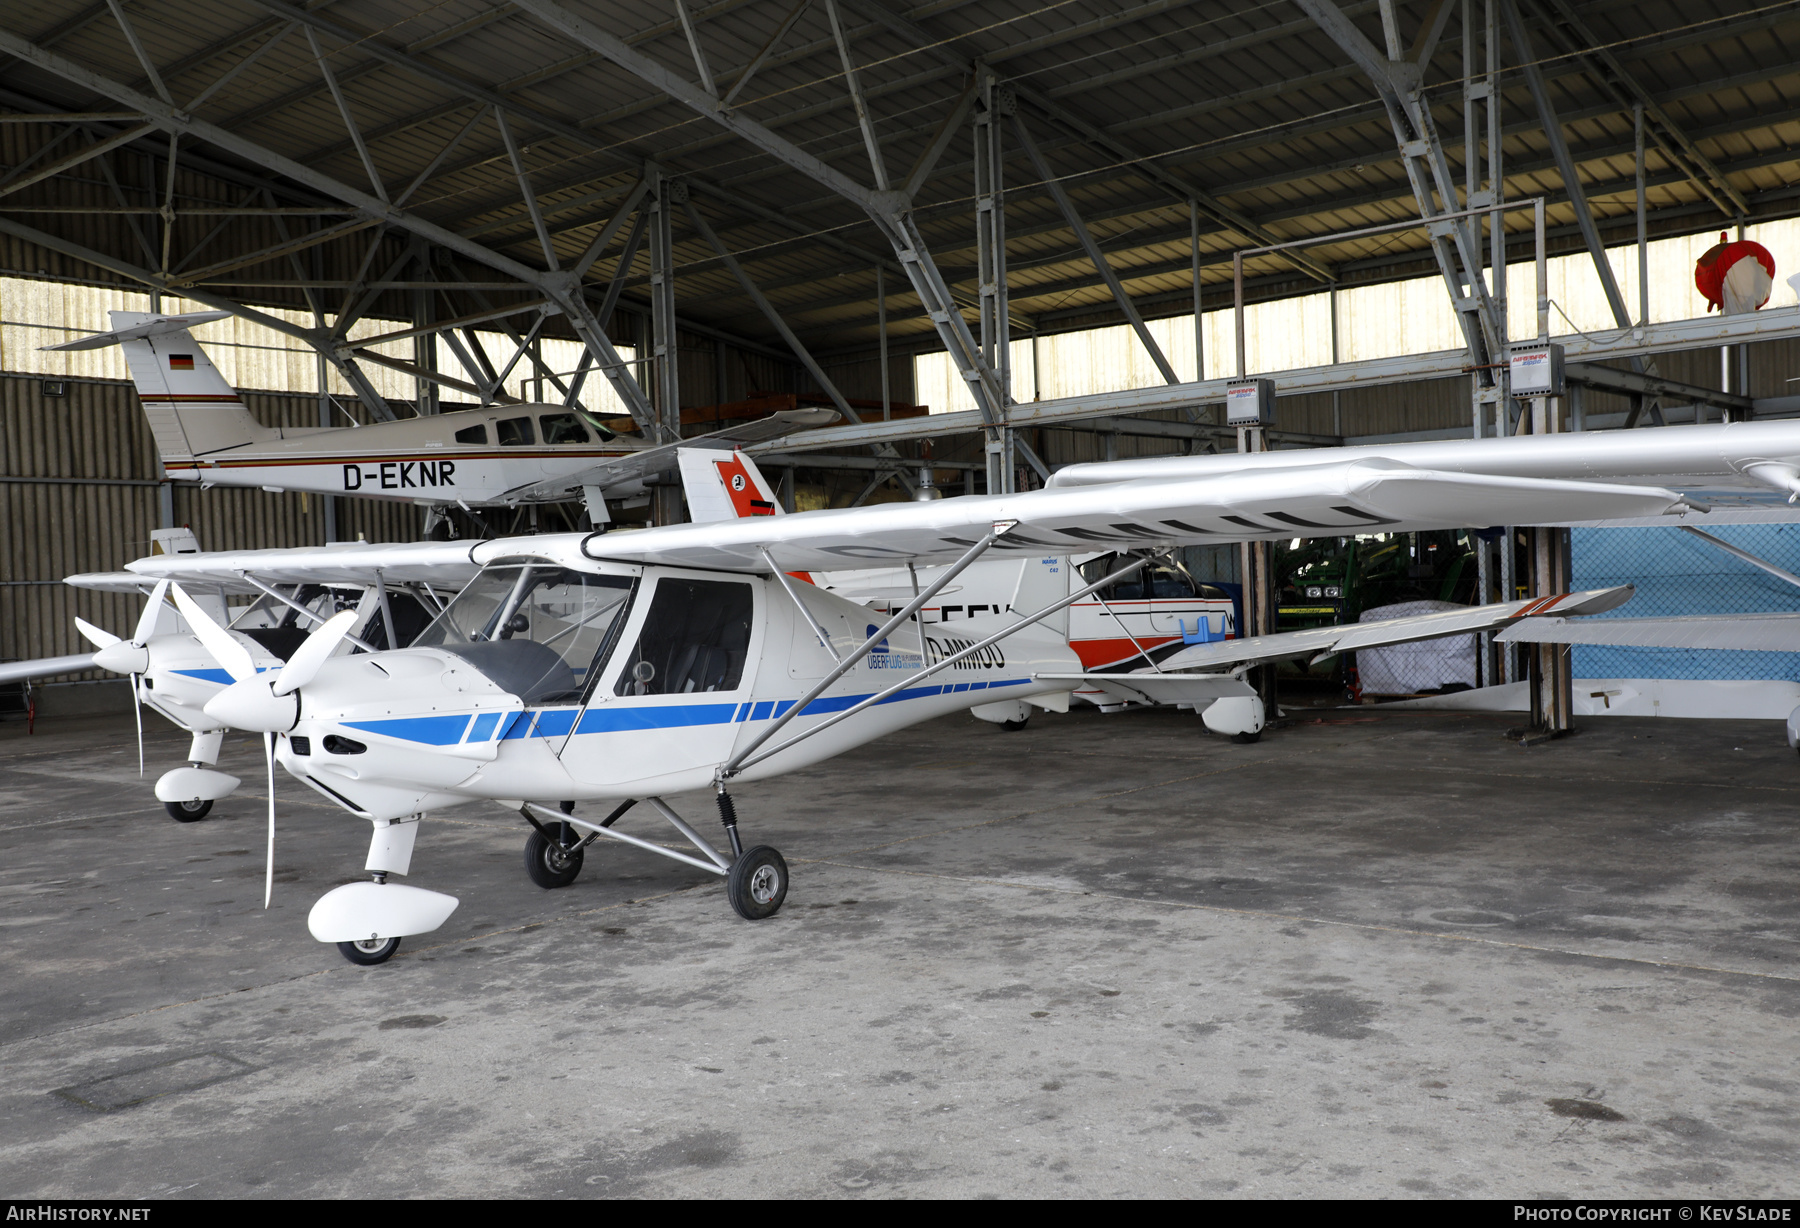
{"x": 695, "y": 638}
{"x": 536, "y": 630}
{"x": 472, "y": 434}
{"x": 562, "y": 428}
{"x": 514, "y": 432}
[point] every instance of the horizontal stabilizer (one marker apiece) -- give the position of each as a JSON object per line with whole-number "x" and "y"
{"x": 151, "y": 328}
{"x": 1149, "y": 687}
{"x": 45, "y": 667}
{"x": 1743, "y": 632}
{"x": 1228, "y": 654}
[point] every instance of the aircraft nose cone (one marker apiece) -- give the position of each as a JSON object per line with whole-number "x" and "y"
{"x": 251, "y": 705}
{"x": 123, "y": 657}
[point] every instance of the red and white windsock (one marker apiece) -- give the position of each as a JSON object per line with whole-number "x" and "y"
{"x": 1736, "y": 276}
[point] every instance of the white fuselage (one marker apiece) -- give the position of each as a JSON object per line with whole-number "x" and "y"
{"x": 416, "y": 459}
{"x": 422, "y": 729}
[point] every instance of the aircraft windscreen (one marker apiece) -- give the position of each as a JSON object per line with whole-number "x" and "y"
{"x": 535, "y": 629}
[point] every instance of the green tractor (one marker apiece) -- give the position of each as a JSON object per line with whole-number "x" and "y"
{"x": 1326, "y": 582}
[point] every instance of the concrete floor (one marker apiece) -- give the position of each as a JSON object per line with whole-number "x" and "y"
{"x": 1388, "y": 955}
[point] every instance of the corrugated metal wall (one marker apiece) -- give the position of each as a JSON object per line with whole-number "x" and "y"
{"x": 80, "y": 491}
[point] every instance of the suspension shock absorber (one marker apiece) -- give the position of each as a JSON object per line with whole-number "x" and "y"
{"x": 728, "y": 816}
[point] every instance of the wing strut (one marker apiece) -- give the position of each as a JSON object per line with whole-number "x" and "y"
{"x": 247, "y": 578}
{"x": 845, "y": 664}
{"x": 741, "y": 761}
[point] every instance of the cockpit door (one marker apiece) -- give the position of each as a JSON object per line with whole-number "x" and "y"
{"x": 675, "y": 689}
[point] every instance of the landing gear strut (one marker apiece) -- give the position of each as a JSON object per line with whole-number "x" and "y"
{"x": 756, "y": 880}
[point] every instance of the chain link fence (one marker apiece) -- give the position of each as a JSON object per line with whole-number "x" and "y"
{"x": 1677, "y": 573}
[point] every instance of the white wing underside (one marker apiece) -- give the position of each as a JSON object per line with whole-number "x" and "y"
{"x": 1319, "y": 500}
{"x": 440, "y": 564}
{"x": 1743, "y": 632}
{"x": 638, "y": 465}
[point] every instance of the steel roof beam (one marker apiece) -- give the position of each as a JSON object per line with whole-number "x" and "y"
{"x": 317, "y": 339}
{"x": 1565, "y": 162}
{"x": 1400, "y": 86}
{"x": 559, "y": 287}
{"x": 890, "y": 211}
{"x": 769, "y": 313}
{"x": 1093, "y": 135}
{"x": 1086, "y": 239}
{"x": 1669, "y": 337}
{"x": 1625, "y": 89}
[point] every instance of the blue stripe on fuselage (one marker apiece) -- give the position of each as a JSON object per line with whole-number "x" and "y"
{"x": 555, "y": 722}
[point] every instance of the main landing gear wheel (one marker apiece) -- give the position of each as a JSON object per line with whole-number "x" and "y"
{"x": 758, "y": 883}
{"x": 550, "y": 863}
{"x": 1247, "y": 738}
{"x": 188, "y": 812}
{"x": 1014, "y": 726}
{"x": 369, "y": 950}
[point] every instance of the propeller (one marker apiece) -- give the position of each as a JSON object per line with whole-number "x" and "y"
{"x": 224, "y": 647}
{"x": 245, "y": 701}
{"x": 253, "y": 701}
{"x": 129, "y": 656}
{"x": 304, "y": 665}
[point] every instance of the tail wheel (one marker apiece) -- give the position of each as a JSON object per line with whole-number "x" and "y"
{"x": 369, "y": 951}
{"x": 188, "y": 812}
{"x": 758, "y": 883}
{"x": 551, "y": 863}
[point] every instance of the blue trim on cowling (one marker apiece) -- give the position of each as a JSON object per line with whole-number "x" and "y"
{"x": 483, "y": 728}
{"x": 217, "y": 676}
{"x": 430, "y": 730}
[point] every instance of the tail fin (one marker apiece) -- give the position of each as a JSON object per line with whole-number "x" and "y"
{"x": 724, "y": 486}
{"x": 192, "y": 410}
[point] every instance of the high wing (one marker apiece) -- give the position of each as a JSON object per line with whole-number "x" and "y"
{"x": 1745, "y": 632}
{"x": 1316, "y": 500}
{"x": 647, "y": 461}
{"x": 440, "y": 564}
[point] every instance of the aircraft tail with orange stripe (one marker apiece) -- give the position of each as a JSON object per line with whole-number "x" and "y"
{"x": 192, "y": 409}
{"x": 724, "y": 486}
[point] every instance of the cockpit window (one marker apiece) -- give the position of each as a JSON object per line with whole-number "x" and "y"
{"x": 561, "y": 428}
{"x": 535, "y": 629}
{"x": 514, "y": 432}
{"x": 695, "y": 639}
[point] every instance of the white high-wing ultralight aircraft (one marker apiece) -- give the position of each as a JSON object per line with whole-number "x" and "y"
{"x": 623, "y": 667}
{"x": 497, "y": 456}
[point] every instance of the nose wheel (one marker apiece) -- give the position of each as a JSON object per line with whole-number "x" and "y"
{"x": 369, "y": 951}
{"x": 188, "y": 812}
